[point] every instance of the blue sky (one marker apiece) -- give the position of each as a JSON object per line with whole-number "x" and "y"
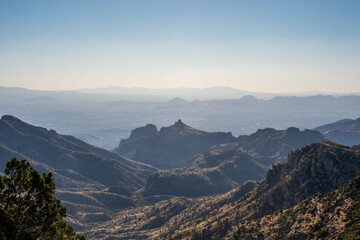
{"x": 268, "y": 46}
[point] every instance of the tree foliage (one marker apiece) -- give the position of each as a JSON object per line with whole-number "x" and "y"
{"x": 28, "y": 208}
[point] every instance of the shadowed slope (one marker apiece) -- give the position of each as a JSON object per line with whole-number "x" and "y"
{"x": 77, "y": 166}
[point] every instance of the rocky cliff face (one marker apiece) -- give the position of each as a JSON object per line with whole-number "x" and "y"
{"x": 318, "y": 168}
{"x": 334, "y": 215}
{"x": 170, "y": 147}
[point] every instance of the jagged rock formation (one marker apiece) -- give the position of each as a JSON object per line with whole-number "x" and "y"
{"x": 171, "y": 147}
{"x": 82, "y": 173}
{"x": 334, "y": 215}
{"x": 318, "y": 168}
{"x": 346, "y": 131}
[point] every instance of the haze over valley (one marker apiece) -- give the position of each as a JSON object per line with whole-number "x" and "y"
{"x": 104, "y": 119}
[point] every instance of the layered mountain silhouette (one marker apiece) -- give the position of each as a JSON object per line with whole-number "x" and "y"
{"x": 346, "y": 131}
{"x": 88, "y": 179}
{"x": 171, "y": 147}
{"x": 113, "y": 197}
{"x": 212, "y": 172}
{"x": 226, "y": 166}
{"x": 174, "y": 146}
{"x": 312, "y": 170}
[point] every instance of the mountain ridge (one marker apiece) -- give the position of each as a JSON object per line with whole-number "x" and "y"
{"x": 171, "y": 146}
{"x": 79, "y": 168}
{"x": 345, "y": 131}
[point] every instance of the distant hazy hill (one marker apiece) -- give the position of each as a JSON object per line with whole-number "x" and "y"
{"x": 315, "y": 169}
{"x": 346, "y": 131}
{"x": 186, "y": 93}
{"x": 83, "y": 174}
{"x": 170, "y": 147}
{"x": 270, "y": 146}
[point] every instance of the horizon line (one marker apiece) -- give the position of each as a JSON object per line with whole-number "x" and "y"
{"x": 317, "y": 92}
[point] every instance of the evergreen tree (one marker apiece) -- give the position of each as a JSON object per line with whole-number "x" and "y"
{"x": 28, "y": 208}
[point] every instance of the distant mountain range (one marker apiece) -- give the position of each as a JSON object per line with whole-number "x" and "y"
{"x": 103, "y": 119}
{"x": 346, "y": 131}
{"x": 210, "y": 93}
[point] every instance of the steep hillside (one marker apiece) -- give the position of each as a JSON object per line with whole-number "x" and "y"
{"x": 312, "y": 170}
{"x": 334, "y": 215}
{"x": 150, "y": 221}
{"x": 79, "y": 168}
{"x": 170, "y": 147}
{"x": 346, "y": 131}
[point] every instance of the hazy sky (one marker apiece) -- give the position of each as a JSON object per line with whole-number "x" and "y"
{"x": 269, "y": 45}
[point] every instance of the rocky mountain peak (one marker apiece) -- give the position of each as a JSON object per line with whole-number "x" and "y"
{"x": 147, "y": 131}
{"x": 172, "y": 146}
{"x": 179, "y": 127}
{"x": 179, "y": 123}
{"x": 9, "y": 118}
{"x": 292, "y": 130}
